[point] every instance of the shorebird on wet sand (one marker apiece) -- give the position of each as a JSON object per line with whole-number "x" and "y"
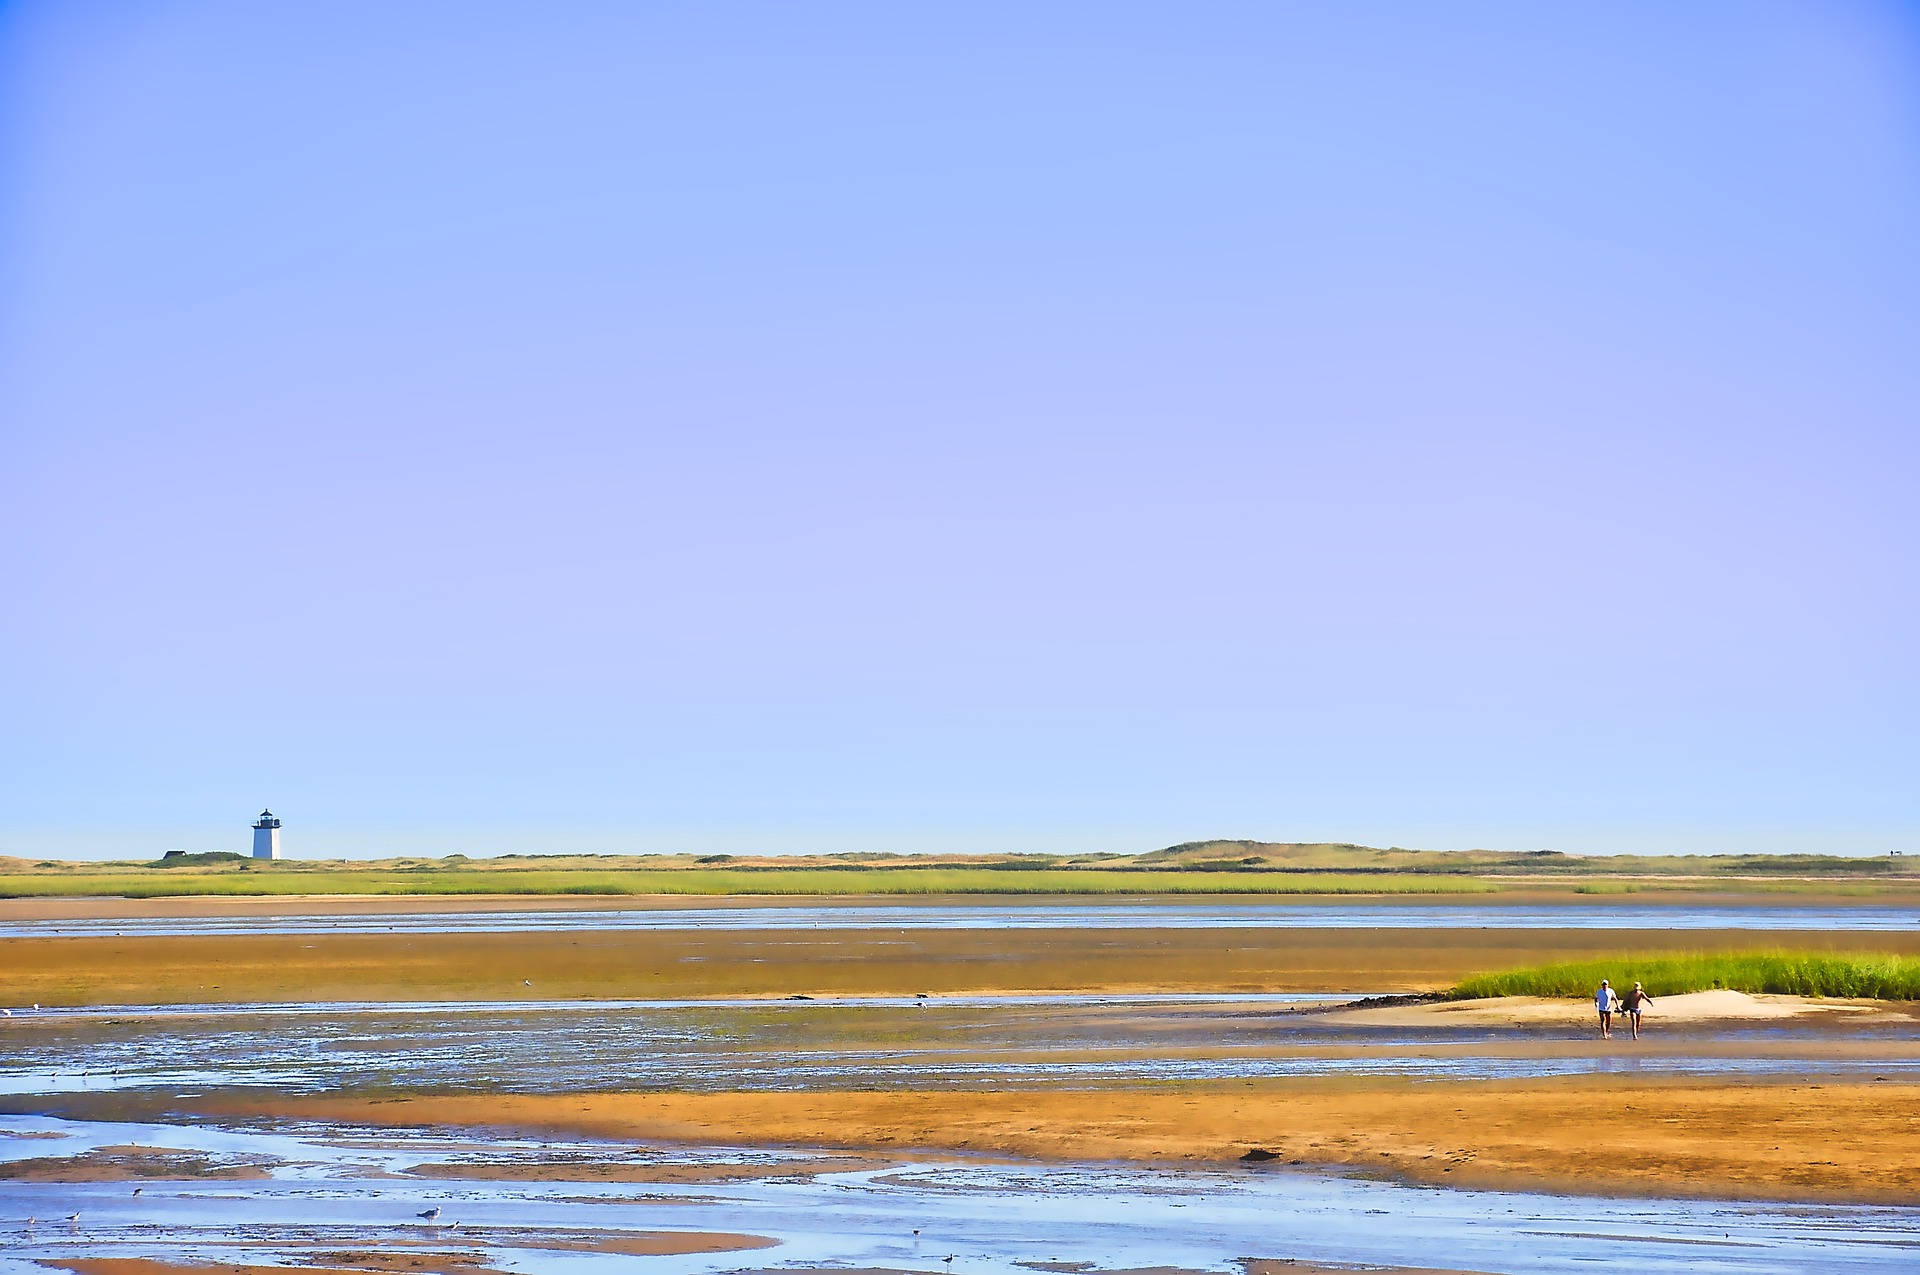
{"x": 432, "y": 1214}
{"x": 137, "y": 1190}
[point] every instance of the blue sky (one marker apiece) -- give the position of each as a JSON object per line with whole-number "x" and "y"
{"x": 753, "y": 427}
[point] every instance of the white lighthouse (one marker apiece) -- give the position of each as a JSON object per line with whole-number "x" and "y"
{"x": 266, "y": 836}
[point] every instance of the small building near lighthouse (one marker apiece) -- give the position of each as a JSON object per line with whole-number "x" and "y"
{"x": 266, "y": 836}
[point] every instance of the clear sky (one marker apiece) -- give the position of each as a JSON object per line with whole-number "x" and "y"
{"x": 750, "y": 427}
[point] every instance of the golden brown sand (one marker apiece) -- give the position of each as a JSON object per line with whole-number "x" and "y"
{"x": 129, "y": 1164}
{"x": 1857, "y": 1141}
{"x": 1577, "y": 1016}
{"x": 400, "y": 1258}
{"x": 655, "y": 1243}
{"x": 772, "y": 963}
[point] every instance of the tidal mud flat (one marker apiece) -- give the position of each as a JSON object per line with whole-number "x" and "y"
{"x": 526, "y": 965}
{"x": 1056, "y": 1098}
{"x": 343, "y": 1191}
{"x": 1031, "y": 1043}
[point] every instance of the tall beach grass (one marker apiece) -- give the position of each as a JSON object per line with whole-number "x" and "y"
{"x": 1776, "y": 973}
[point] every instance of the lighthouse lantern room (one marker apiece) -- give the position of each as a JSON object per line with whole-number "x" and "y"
{"x": 266, "y": 836}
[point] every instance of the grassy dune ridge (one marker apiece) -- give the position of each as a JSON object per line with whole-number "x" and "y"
{"x": 158, "y": 883}
{"x": 1781, "y": 973}
{"x": 1205, "y": 867}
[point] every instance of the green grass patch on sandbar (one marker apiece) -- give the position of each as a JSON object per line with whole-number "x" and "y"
{"x": 724, "y": 881}
{"x": 1890, "y": 978}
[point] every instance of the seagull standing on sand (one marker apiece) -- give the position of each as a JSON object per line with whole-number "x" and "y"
{"x": 432, "y": 1214}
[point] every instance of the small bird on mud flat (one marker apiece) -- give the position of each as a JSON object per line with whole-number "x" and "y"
{"x": 137, "y": 1190}
{"x": 432, "y": 1214}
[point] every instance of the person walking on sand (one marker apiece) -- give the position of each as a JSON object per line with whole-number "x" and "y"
{"x": 1636, "y": 1000}
{"x": 1603, "y": 1001}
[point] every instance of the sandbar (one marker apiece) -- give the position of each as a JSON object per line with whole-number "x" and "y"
{"x": 130, "y": 1164}
{"x": 1843, "y": 1141}
{"x": 1717, "y": 1006}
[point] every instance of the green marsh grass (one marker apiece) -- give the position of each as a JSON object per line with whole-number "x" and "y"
{"x": 155, "y": 883}
{"x": 1777, "y": 973}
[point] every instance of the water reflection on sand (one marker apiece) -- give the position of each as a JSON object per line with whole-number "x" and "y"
{"x": 933, "y": 1043}
{"x": 335, "y": 1187}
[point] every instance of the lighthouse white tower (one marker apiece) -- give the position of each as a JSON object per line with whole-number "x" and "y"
{"x": 266, "y": 836}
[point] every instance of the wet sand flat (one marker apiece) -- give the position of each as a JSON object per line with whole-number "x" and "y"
{"x": 336, "y": 1199}
{"x": 468, "y": 1266}
{"x": 457, "y": 1063}
{"x": 1040, "y": 1043}
{"x": 548, "y": 1170}
{"x": 424, "y": 1263}
{"x": 130, "y": 1164}
{"x": 661, "y": 1243}
{"x": 1842, "y": 1141}
{"x": 770, "y": 963}
{"x": 430, "y": 1259}
{"x": 1280, "y": 1266}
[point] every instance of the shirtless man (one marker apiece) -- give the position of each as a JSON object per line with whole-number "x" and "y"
{"x": 1635, "y": 1001}
{"x": 1603, "y": 1000}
